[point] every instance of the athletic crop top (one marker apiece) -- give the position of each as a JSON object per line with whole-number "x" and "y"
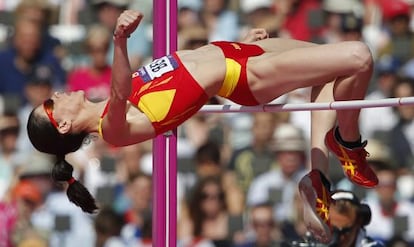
{"x": 165, "y": 92}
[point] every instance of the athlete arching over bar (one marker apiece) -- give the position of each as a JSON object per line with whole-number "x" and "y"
{"x": 163, "y": 94}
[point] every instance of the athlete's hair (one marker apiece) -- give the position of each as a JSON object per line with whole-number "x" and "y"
{"x": 46, "y": 138}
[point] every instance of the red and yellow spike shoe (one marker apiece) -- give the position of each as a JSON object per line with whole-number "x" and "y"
{"x": 353, "y": 161}
{"x": 314, "y": 191}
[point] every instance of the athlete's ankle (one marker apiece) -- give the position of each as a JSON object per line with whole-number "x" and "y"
{"x": 348, "y": 144}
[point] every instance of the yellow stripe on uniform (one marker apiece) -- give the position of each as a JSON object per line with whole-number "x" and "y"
{"x": 231, "y": 78}
{"x": 156, "y": 105}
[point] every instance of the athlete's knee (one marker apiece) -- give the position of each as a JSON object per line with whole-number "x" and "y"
{"x": 361, "y": 56}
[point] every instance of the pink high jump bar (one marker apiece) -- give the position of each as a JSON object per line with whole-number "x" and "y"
{"x": 164, "y": 216}
{"x": 335, "y": 105}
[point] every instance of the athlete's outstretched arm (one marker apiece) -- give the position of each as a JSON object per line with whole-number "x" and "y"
{"x": 121, "y": 77}
{"x": 127, "y": 22}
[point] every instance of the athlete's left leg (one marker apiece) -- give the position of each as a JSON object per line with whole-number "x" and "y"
{"x": 348, "y": 64}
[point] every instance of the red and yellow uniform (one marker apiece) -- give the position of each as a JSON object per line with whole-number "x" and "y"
{"x": 168, "y": 95}
{"x": 235, "y": 86}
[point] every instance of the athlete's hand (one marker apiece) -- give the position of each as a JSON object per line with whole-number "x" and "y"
{"x": 127, "y": 22}
{"x": 255, "y": 35}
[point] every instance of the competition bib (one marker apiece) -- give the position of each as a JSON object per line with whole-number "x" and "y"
{"x": 157, "y": 68}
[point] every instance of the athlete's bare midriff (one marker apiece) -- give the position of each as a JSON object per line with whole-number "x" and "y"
{"x": 201, "y": 62}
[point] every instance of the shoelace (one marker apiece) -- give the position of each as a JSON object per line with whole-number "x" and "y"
{"x": 366, "y": 154}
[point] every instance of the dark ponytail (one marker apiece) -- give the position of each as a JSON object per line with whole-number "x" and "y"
{"x": 77, "y": 193}
{"x": 45, "y": 138}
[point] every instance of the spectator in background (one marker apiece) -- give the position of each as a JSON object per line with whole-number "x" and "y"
{"x": 129, "y": 162}
{"x": 348, "y": 219}
{"x": 95, "y": 77}
{"x": 192, "y": 37}
{"x": 280, "y": 184}
{"x": 300, "y": 19}
{"x": 188, "y": 14}
{"x": 221, "y": 22}
{"x": 263, "y": 230}
{"x": 295, "y": 229}
{"x": 400, "y": 137}
{"x": 37, "y": 89}
{"x": 397, "y": 16}
{"x": 252, "y": 160}
{"x": 108, "y": 225}
{"x": 95, "y": 165}
{"x": 208, "y": 163}
{"x": 385, "y": 81}
{"x": 22, "y": 55}
{"x": 9, "y": 131}
{"x": 108, "y": 12}
{"x": 36, "y": 168}
{"x": 343, "y": 20}
{"x": 390, "y": 215}
{"x": 66, "y": 225}
{"x": 40, "y": 12}
{"x": 398, "y": 241}
{"x": 146, "y": 239}
{"x": 375, "y": 34}
{"x": 207, "y": 217}
{"x": 351, "y": 27}
{"x": 139, "y": 192}
{"x": 71, "y": 13}
{"x": 202, "y": 128}
{"x": 15, "y": 225}
{"x": 259, "y": 14}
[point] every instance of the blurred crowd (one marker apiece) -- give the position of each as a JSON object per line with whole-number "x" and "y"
{"x": 237, "y": 172}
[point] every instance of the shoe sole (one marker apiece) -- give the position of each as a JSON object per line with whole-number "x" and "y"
{"x": 320, "y": 231}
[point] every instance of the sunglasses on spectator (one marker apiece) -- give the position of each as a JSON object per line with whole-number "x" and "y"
{"x": 48, "y": 107}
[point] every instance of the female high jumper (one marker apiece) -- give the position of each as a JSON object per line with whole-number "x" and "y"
{"x": 163, "y": 94}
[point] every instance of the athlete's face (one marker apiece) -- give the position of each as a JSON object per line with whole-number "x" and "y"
{"x": 63, "y": 106}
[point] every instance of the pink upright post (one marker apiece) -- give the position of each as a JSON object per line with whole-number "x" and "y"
{"x": 164, "y": 231}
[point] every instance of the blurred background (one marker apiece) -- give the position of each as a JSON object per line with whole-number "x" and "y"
{"x": 238, "y": 172}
